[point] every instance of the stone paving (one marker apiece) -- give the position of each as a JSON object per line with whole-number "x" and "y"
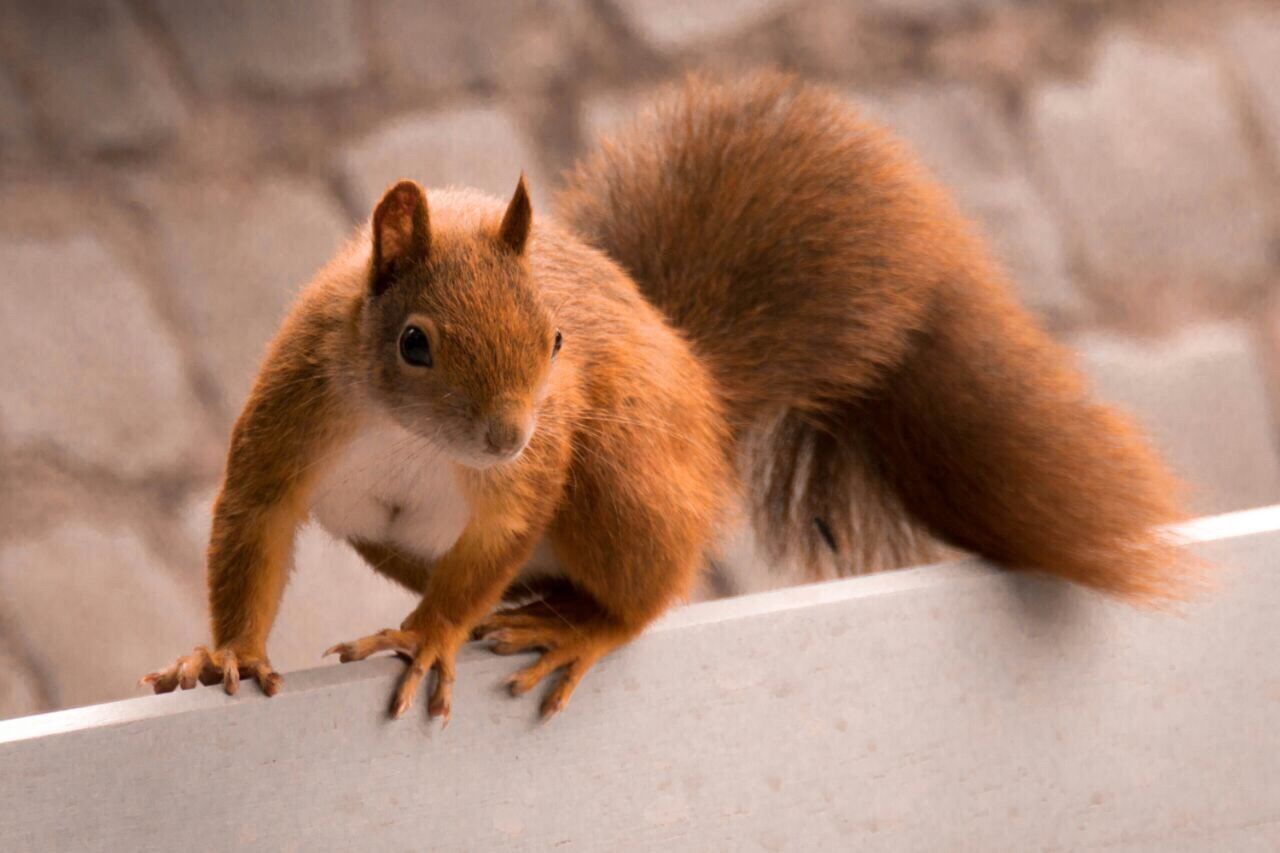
{"x": 171, "y": 173}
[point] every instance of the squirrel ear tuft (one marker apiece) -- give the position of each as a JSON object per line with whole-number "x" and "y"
{"x": 518, "y": 220}
{"x": 401, "y": 232}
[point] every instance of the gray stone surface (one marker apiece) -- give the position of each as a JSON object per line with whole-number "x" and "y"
{"x": 676, "y": 25}
{"x": 608, "y": 112}
{"x": 1253, "y": 39}
{"x": 1202, "y": 396}
{"x": 827, "y": 35}
{"x": 1147, "y": 157}
{"x": 236, "y": 253}
{"x": 440, "y": 44}
{"x": 15, "y": 122}
{"x": 19, "y": 695}
{"x": 97, "y": 80}
{"x": 479, "y": 147}
{"x": 960, "y": 135}
{"x": 290, "y": 46}
{"x": 332, "y": 596}
{"x": 89, "y": 364}
{"x": 930, "y": 9}
{"x": 97, "y": 608}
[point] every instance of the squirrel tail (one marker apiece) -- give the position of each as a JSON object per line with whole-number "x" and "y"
{"x": 871, "y": 360}
{"x": 988, "y": 437}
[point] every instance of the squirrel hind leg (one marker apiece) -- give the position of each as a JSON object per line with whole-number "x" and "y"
{"x": 568, "y": 630}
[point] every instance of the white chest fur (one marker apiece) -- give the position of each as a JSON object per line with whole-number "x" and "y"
{"x": 390, "y": 486}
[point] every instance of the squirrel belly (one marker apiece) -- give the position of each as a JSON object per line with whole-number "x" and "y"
{"x": 389, "y": 486}
{"x": 385, "y": 487}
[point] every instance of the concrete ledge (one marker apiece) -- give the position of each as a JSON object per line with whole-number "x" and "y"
{"x": 944, "y": 707}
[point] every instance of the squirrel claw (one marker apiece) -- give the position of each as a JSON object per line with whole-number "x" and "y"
{"x": 386, "y": 640}
{"x": 424, "y": 655}
{"x": 567, "y": 645}
{"x": 221, "y": 666}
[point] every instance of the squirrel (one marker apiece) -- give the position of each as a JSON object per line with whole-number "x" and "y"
{"x": 753, "y": 297}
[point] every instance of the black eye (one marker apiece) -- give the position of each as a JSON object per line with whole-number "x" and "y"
{"x": 555, "y": 348}
{"x": 415, "y": 348}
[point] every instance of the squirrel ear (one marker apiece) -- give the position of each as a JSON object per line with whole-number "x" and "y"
{"x": 518, "y": 219}
{"x": 401, "y": 232}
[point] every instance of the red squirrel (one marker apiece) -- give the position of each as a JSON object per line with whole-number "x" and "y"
{"x": 751, "y": 297}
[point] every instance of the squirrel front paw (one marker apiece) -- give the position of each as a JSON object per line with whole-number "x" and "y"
{"x": 211, "y": 667}
{"x": 425, "y": 651}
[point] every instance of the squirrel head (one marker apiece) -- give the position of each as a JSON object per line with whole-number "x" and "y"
{"x": 458, "y": 343}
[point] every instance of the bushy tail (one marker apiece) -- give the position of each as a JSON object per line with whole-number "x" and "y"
{"x": 988, "y": 437}
{"x": 873, "y": 364}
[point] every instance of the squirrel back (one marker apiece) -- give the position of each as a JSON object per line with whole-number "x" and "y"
{"x": 876, "y": 372}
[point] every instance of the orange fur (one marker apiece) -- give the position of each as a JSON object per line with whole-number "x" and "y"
{"x": 865, "y": 344}
{"x": 625, "y": 473}
{"x": 814, "y": 312}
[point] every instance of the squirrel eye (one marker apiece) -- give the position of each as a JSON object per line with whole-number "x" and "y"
{"x": 415, "y": 347}
{"x": 555, "y": 348}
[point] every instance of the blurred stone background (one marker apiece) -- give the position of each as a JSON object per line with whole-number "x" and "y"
{"x": 171, "y": 172}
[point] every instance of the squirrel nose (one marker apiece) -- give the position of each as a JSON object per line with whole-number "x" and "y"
{"x": 506, "y": 435}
